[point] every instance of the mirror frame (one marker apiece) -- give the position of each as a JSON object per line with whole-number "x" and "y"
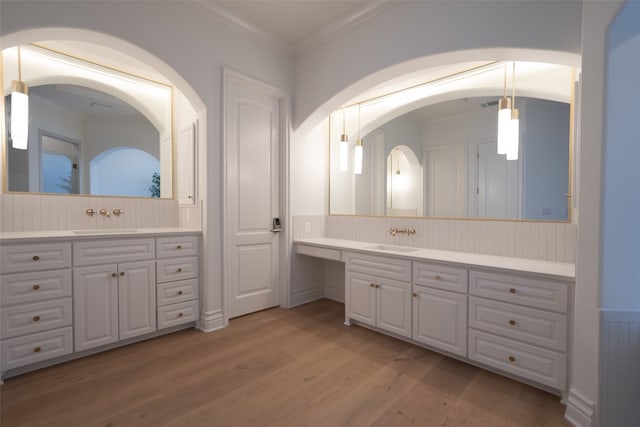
{"x": 570, "y": 197}
{"x": 96, "y": 67}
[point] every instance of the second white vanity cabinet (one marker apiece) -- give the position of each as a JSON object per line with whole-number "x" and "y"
{"x": 440, "y": 307}
{"x": 113, "y": 290}
{"x": 378, "y": 292}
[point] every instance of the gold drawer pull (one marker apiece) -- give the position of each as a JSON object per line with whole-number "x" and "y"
{"x": 512, "y": 322}
{"x": 35, "y": 258}
{"x": 114, "y": 275}
{"x": 415, "y": 295}
{"x": 179, "y": 247}
{"x": 35, "y": 287}
{"x": 179, "y": 292}
{"x": 436, "y": 277}
{"x": 512, "y": 290}
{"x": 512, "y": 359}
{"x": 122, "y": 273}
{"x": 36, "y": 318}
{"x": 179, "y": 314}
{"x": 377, "y": 286}
{"x": 372, "y": 285}
{"x": 179, "y": 270}
{"x": 37, "y": 350}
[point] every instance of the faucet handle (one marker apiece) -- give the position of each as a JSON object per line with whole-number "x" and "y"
{"x": 393, "y": 231}
{"x": 90, "y": 212}
{"x": 117, "y": 212}
{"x": 105, "y": 212}
{"x": 411, "y": 231}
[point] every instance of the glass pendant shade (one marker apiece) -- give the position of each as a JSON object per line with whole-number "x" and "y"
{"x": 504, "y": 119}
{"x": 357, "y": 158}
{"x": 344, "y": 152}
{"x": 514, "y": 135}
{"x": 19, "y": 115}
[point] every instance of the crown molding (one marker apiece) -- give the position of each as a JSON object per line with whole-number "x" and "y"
{"x": 343, "y": 25}
{"x": 217, "y": 11}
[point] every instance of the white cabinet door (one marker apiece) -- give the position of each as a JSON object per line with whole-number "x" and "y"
{"x": 136, "y": 298}
{"x": 440, "y": 319}
{"x": 361, "y": 298}
{"x": 394, "y": 306}
{"x": 95, "y": 306}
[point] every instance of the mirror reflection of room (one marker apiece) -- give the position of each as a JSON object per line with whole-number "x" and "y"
{"x": 444, "y": 134}
{"x": 91, "y": 129}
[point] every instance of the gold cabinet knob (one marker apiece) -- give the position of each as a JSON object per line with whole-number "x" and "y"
{"x": 512, "y": 322}
{"x": 36, "y": 318}
{"x": 35, "y": 287}
{"x": 122, "y": 273}
{"x": 35, "y": 258}
{"x": 437, "y": 277}
{"x": 377, "y": 286}
{"x": 179, "y": 292}
{"x": 37, "y": 350}
{"x": 179, "y": 314}
{"x": 415, "y": 295}
{"x": 512, "y": 359}
{"x": 114, "y": 275}
{"x": 179, "y": 247}
{"x": 372, "y": 285}
{"x": 179, "y": 270}
{"x": 512, "y": 290}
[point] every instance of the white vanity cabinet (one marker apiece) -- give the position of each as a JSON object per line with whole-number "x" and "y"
{"x": 35, "y": 303}
{"x": 378, "y": 292}
{"x": 440, "y": 307}
{"x": 178, "y": 287}
{"x": 520, "y": 325}
{"x": 113, "y": 291}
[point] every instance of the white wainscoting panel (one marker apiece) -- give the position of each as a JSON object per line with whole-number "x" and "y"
{"x": 41, "y": 212}
{"x": 620, "y": 368}
{"x": 535, "y": 240}
{"x": 315, "y": 224}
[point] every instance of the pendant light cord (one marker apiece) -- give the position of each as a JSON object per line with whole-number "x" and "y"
{"x": 359, "y": 140}
{"x": 344, "y": 121}
{"x": 19, "y": 66}
{"x": 504, "y": 92}
{"x": 513, "y": 87}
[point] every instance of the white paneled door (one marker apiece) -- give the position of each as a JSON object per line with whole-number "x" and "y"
{"x": 252, "y": 196}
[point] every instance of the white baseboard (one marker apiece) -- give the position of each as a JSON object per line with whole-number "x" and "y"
{"x": 211, "y": 321}
{"x": 306, "y": 295}
{"x": 334, "y": 294}
{"x": 580, "y": 410}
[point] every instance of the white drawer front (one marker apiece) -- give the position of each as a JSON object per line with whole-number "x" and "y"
{"x": 520, "y": 290}
{"x": 35, "y": 257}
{"x": 387, "y": 267}
{"x": 532, "y": 326}
{"x": 31, "y": 287}
{"x": 113, "y": 251}
{"x": 177, "y": 314}
{"x": 34, "y": 348}
{"x": 317, "y": 252}
{"x": 26, "y": 319}
{"x": 436, "y": 276}
{"x": 177, "y": 246}
{"x": 534, "y": 363}
{"x": 169, "y": 270}
{"x": 173, "y": 292}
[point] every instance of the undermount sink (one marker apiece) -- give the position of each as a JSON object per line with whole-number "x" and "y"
{"x": 106, "y": 231}
{"x": 389, "y": 248}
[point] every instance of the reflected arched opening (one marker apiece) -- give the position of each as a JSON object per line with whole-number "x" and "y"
{"x": 126, "y": 171}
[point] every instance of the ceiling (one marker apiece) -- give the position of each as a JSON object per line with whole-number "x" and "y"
{"x": 296, "y": 24}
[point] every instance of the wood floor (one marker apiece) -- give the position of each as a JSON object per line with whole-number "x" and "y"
{"x": 298, "y": 367}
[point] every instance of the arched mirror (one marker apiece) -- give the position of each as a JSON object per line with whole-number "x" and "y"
{"x": 92, "y": 130}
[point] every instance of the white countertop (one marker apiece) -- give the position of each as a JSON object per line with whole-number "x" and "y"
{"x": 29, "y": 236}
{"x": 560, "y": 270}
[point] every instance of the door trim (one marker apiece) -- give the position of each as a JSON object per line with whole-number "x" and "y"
{"x": 228, "y": 76}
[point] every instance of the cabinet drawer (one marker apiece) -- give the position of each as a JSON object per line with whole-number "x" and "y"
{"x": 173, "y": 292}
{"x": 35, "y": 257}
{"x": 436, "y": 276}
{"x": 534, "y": 363}
{"x": 113, "y": 251}
{"x": 33, "y": 287}
{"x": 387, "y": 267}
{"x": 36, "y": 317}
{"x": 520, "y": 290}
{"x": 532, "y": 326}
{"x": 169, "y": 270}
{"x": 177, "y": 314}
{"x": 178, "y": 246}
{"x": 34, "y": 348}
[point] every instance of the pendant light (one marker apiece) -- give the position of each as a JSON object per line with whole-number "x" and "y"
{"x": 357, "y": 158}
{"x": 19, "y": 111}
{"x": 514, "y": 123}
{"x": 344, "y": 145}
{"x": 504, "y": 117}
